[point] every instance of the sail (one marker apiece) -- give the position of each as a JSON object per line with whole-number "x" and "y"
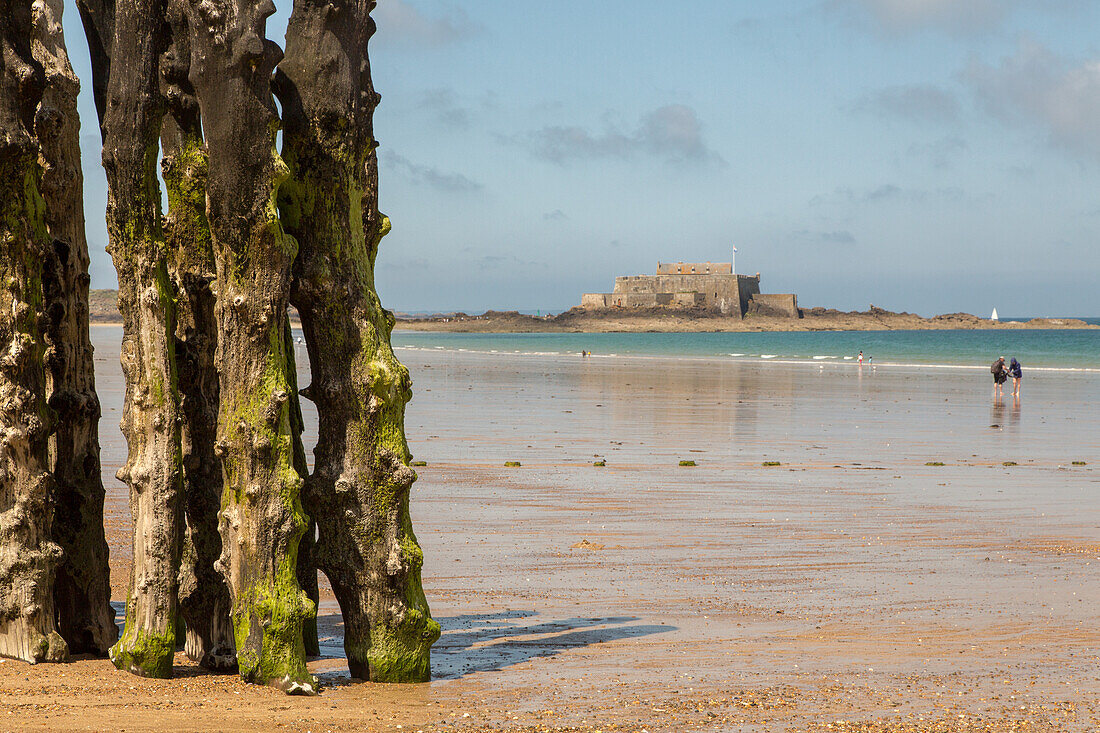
{"x": 994, "y": 316}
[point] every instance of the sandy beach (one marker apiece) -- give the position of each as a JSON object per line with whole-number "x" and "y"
{"x": 920, "y": 559}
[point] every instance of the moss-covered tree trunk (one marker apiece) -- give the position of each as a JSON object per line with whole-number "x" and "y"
{"x": 204, "y": 596}
{"x": 359, "y": 491}
{"x": 151, "y": 418}
{"x": 28, "y": 557}
{"x": 82, "y": 589}
{"x": 261, "y": 521}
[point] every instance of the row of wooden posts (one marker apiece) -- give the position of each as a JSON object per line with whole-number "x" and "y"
{"x": 230, "y": 526}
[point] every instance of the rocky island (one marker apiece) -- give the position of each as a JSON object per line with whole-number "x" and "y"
{"x": 700, "y": 319}
{"x": 704, "y": 296}
{"x": 667, "y": 319}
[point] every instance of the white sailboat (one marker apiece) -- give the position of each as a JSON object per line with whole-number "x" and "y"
{"x": 994, "y": 316}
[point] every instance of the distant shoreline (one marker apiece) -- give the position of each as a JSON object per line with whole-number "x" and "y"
{"x": 703, "y": 321}
{"x": 103, "y": 311}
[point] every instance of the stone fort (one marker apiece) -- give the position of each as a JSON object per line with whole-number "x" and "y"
{"x": 695, "y": 284}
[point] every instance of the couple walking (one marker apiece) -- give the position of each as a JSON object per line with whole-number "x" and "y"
{"x": 1001, "y": 373}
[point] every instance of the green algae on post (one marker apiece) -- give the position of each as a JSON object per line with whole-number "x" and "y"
{"x": 512, "y": 464}
{"x": 358, "y": 492}
{"x": 204, "y": 602}
{"x": 1009, "y": 463}
{"x": 599, "y": 464}
{"x": 687, "y": 464}
{"x": 772, "y": 463}
{"x": 144, "y": 654}
{"x": 261, "y": 521}
{"x": 131, "y": 126}
{"x": 934, "y": 463}
{"x": 418, "y": 464}
{"x": 1079, "y": 463}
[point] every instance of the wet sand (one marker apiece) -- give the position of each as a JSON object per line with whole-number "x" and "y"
{"x": 853, "y": 587}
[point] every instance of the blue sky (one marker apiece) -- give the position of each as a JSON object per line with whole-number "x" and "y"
{"x": 923, "y": 155}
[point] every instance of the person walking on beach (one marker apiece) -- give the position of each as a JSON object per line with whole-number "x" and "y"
{"x": 1017, "y": 373}
{"x": 1000, "y": 376}
{"x": 861, "y": 358}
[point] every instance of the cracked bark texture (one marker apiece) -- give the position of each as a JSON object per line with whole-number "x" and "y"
{"x": 82, "y": 592}
{"x": 131, "y": 127}
{"x": 204, "y": 596}
{"x": 261, "y": 521}
{"x": 359, "y": 491}
{"x": 28, "y": 557}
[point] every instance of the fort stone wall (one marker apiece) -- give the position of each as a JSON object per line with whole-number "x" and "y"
{"x": 596, "y": 301}
{"x": 774, "y": 304}
{"x": 716, "y": 285}
{"x": 720, "y": 289}
{"x": 747, "y": 289}
{"x": 730, "y": 294}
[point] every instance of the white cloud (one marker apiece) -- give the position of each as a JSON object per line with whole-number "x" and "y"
{"x": 839, "y": 237}
{"x": 887, "y": 193}
{"x": 561, "y": 143}
{"x": 941, "y": 153}
{"x": 920, "y": 102}
{"x": 958, "y": 17}
{"x": 1037, "y": 88}
{"x": 402, "y": 22}
{"x": 423, "y": 175}
{"x": 955, "y": 15}
{"x": 673, "y": 132}
{"x": 443, "y": 105}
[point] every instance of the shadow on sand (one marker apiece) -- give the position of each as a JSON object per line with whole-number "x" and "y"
{"x": 489, "y": 642}
{"x": 485, "y": 642}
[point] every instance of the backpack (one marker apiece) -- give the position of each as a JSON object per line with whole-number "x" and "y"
{"x": 993, "y": 369}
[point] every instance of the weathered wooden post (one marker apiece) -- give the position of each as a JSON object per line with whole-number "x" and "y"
{"x": 82, "y": 591}
{"x": 359, "y": 491}
{"x": 28, "y": 556}
{"x": 261, "y": 520}
{"x": 204, "y": 595}
{"x": 132, "y": 118}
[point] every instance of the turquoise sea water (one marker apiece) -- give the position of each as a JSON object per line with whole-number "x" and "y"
{"x": 1036, "y": 349}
